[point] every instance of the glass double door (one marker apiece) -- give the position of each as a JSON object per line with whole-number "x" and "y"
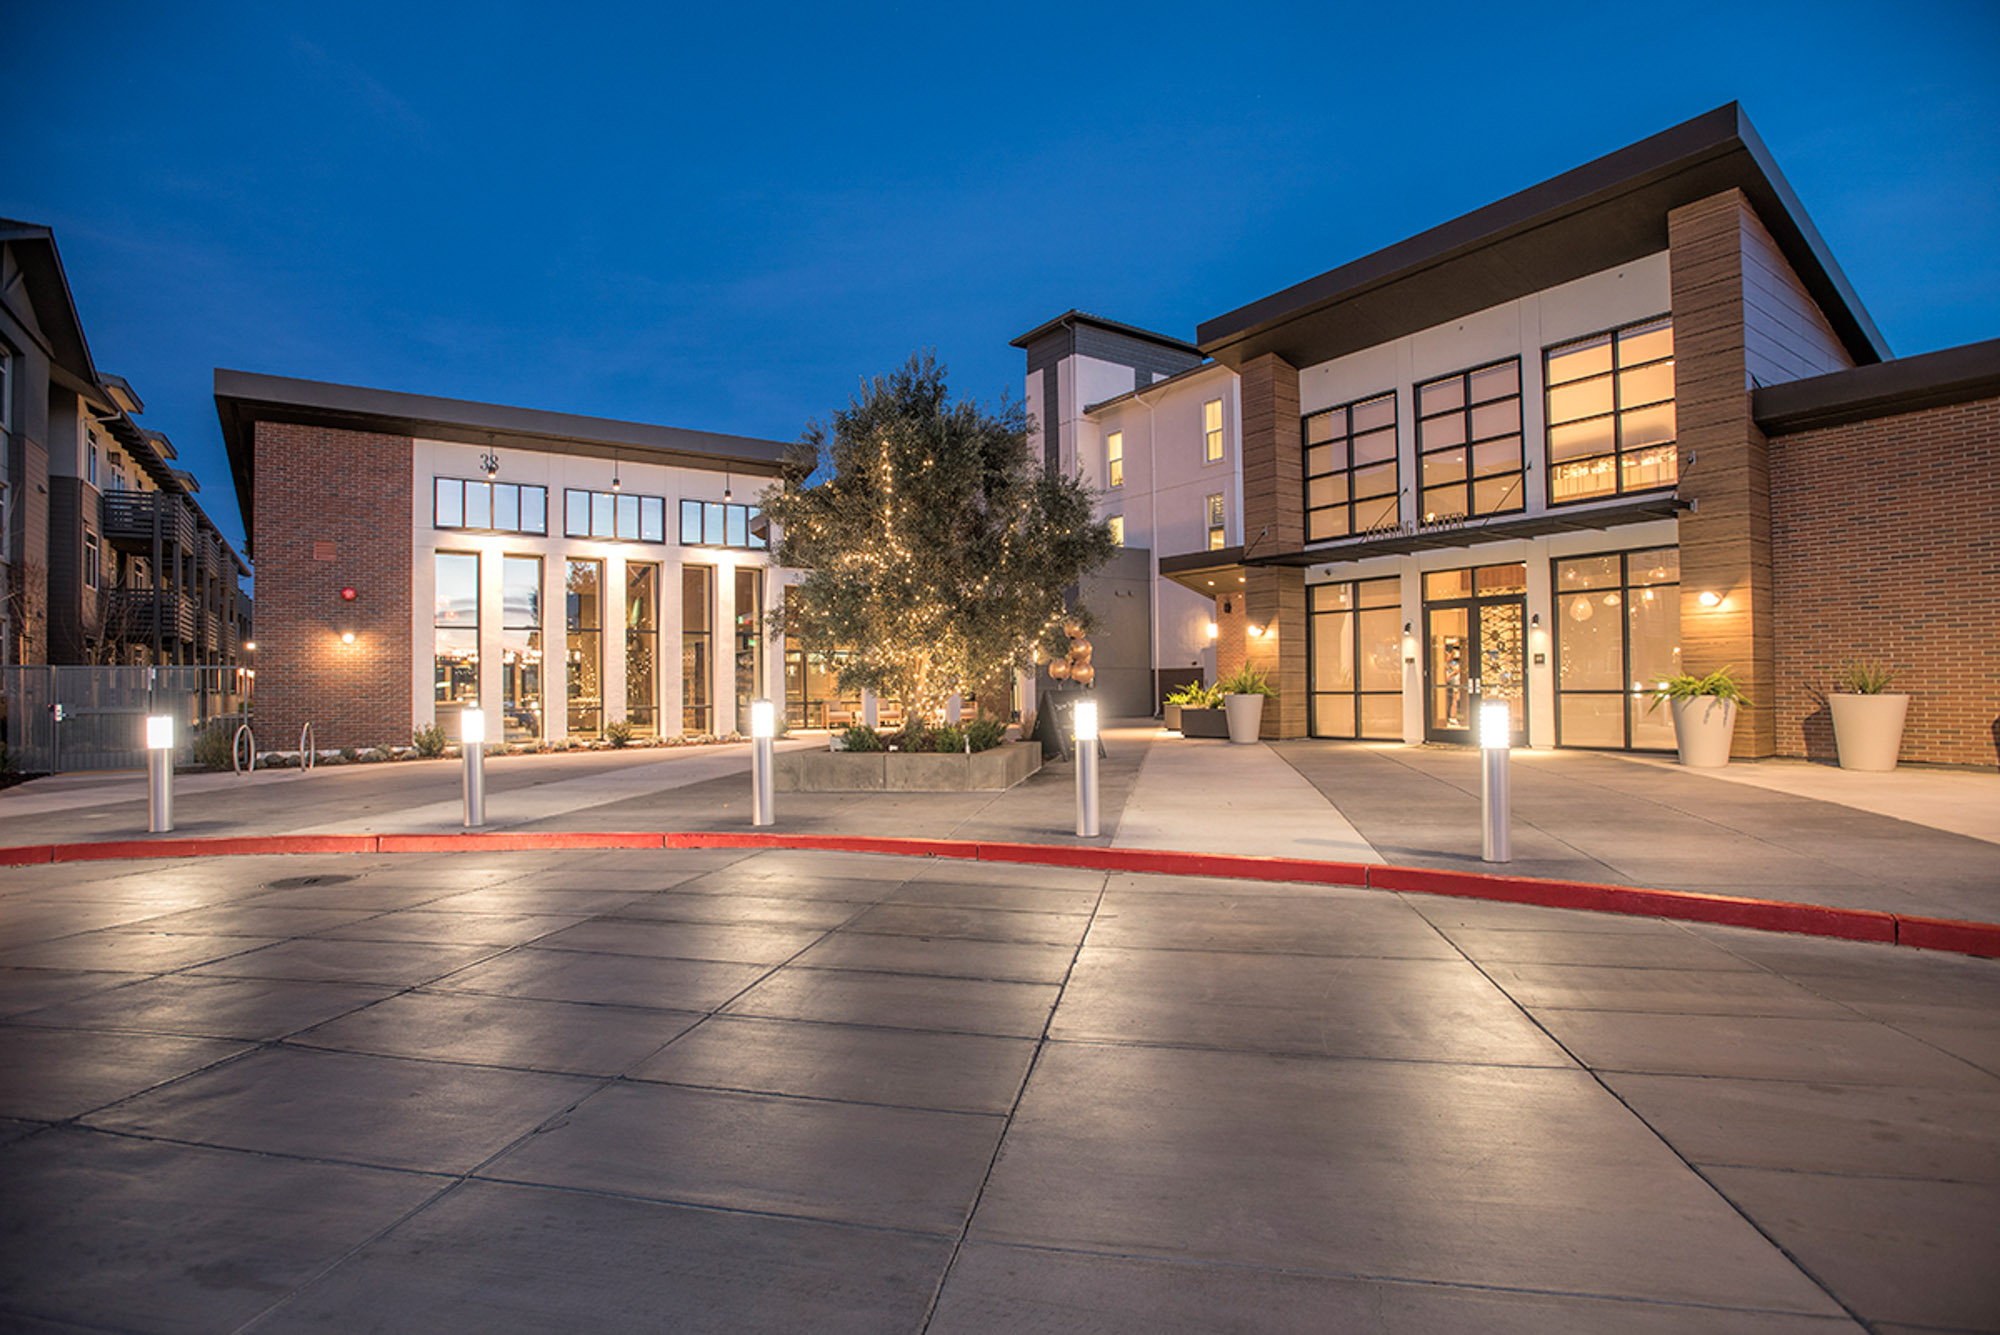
{"x": 1475, "y": 650}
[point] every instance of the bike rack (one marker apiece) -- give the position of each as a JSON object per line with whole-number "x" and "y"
{"x": 237, "y": 750}
{"x": 306, "y": 747}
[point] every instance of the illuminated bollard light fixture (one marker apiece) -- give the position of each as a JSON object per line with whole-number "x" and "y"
{"x": 1083, "y": 724}
{"x": 1496, "y": 734}
{"x": 763, "y": 728}
{"x": 160, "y": 773}
{"x": 472, "y": 743}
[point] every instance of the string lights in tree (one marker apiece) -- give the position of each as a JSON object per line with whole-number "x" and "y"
{"x": 936, "y": 548}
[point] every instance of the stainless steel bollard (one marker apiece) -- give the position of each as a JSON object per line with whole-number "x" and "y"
{"x": 1496, "y": 726}
{"x": 160, "y": 773}
{"x": 1083, "y": 719}
{"x": 472, "y": 743}
{"x": 763, "y": 746}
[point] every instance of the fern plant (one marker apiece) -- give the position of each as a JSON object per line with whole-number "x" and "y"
{"x": 1720, "y": 684}
{"x": 1246, "y": 680}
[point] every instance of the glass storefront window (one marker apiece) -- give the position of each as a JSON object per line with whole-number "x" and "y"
{"x": 697, "y": 618}
{"x": 749, "y": 641}
{"x": 1617, "y": 634}
{"x": 455, "y": 622}
{"x": 1611, "y": 427}
{"x": 521, "y": 646}
{"x": 1357, "y": 659}
{"x": 642, "y": 643}
{"x": 584, "y": 617}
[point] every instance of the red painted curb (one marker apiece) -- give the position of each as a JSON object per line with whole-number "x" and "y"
{"x": 215, "y": 846}
{"x": 1165, "y": 862}
{"x": 1771, "y": 915}
{"x": 482, "y": 841}
{"x": 1964, "y": 938}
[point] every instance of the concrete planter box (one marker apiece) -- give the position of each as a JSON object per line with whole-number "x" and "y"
{"x": 906, "y": 772}
{"x": 1204, "y": 722}
{"x": 1172, "y": 721}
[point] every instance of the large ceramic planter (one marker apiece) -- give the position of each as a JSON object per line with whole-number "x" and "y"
{"x": 1203, "y": 722}
{"x": 1703, "y": 727}
{"x": 1172, "y": 723}
{"x": 1246, "y": 716}
{"x": 1868, "y": 729}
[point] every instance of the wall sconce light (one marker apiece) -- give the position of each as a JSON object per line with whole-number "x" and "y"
{"x": 727, "y": 490}
{"x": 1256, "y": 632}
{"x": 250, "y": 646}
{"x": 1212, "y": 630}
{"x": 490, "y": 461}
{"x": 1709, "y": 598}
{"x": 347, "y": 637}
{"x": 1535, "y": 620}
{"x": 1409, "y": 627}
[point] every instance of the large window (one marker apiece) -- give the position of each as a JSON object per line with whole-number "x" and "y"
{"x": 642, "y": 646}
{"x": 1114, "y": 459}
{"x": 495, "y": 507}
{"x": 1618, "y": 633}
{"x": 623, "y": 515}
{"x": 1357, "y": 659}
{"x": 1611, "y": 413}
{"x": 1211, "y": 430}
{"x": 1351, "y": 480}
{"x": 1469, "y": 443}
{"x": 521, "y": 646}
{"x": 1217, "y": 526}
{"x": 455, "y": 628}
{"x": 584, "y": 678}
{"x": 93, "y": 559}
{"x": 749, "y": 641}
{"x": 812, "y": 690}
{"x": 714, "y": 524}
{"x": 697, "y": 654}
{"x": 1117, "y": 523}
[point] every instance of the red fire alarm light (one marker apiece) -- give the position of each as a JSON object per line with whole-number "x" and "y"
{"x": 347, "y": 595}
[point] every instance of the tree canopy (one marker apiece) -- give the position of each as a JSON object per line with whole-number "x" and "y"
{"x": 935, "y": 546}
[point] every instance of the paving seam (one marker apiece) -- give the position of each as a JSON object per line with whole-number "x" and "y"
{"x": 1671, "y": 1148}
{"x": 1771, "y": 915}
{"x": 1042, "y": 1041}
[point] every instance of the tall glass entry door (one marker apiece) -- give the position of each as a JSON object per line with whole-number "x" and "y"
{"x": 1475, "y": 636}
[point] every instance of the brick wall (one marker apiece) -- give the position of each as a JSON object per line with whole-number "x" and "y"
{"x": 1885, "y": 539}
{"x": 332, "y": 511}
{"x": 1273, "y": 522}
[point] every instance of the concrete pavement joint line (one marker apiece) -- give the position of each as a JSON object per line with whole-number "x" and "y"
{"x": 1013, "y": 1110}
{"x": 1367, "y": 1276}
{"x": 1966, "y": 938}
{"x": 1673, "y": 1149}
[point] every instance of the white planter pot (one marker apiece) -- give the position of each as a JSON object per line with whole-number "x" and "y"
{"x": 1703, "y": 728}
{"x": 1868, "y": 729}
{"x": 1246, "y": 716}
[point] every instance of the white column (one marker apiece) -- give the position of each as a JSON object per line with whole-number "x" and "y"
{"x": 555, "y": 645}
{"x": 670, "y": 649}
{"x": 723, "y": 664}
{"x": 613, "y": 638}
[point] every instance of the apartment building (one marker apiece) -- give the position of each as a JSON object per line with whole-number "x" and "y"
{"x": 417, "y": 556}
{"x": 1627, "y": 422}
{"x": 106, "y": 557}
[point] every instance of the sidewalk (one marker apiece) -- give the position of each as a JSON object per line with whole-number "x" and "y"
{"x": 1919, "y": 842}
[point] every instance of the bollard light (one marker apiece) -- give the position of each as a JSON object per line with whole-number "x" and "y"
{"x": 159, "y": 773}
{"x": 763, "y": 727}
{"x": 1083, "y": 730}
{"x": 472, "y": 746}
{"x": 1496, "y": 735}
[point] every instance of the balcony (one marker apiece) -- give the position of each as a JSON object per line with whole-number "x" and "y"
{"x": 132, "y": 519}
{"x": 132, "y": 615}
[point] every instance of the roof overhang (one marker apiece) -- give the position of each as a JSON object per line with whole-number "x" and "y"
{"x": 1070, "y": 319}
{"x": 1907, "y": 385}
{"x": 1472, "y": 533}
{"x": 1210, "y": 573}
{"x": 244, "y": 398}
{"x": 55, "y": 307}
{"x": 1608, "y": 212}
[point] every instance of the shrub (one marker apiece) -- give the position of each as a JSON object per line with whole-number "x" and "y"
{"x": 861, "y": 737}
{"x": 1720, "y": 683}
{"x": 1194, "y": 695}
{"x": 1246, "y": 680}
{"x": 618, "y": 732}
{"x": 349, "y": 754}
{"x": 429, "y": 741}
{"x": 1862, "y": 678}
{"x": 214, "y": 742}
{"x": 985, "y": 733}
{"x": 948, "y": 738}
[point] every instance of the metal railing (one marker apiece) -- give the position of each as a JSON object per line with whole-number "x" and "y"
{"x": 56, "y": 719}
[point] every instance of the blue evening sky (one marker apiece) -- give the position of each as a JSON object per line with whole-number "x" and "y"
{"x": 724, "y": 218}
